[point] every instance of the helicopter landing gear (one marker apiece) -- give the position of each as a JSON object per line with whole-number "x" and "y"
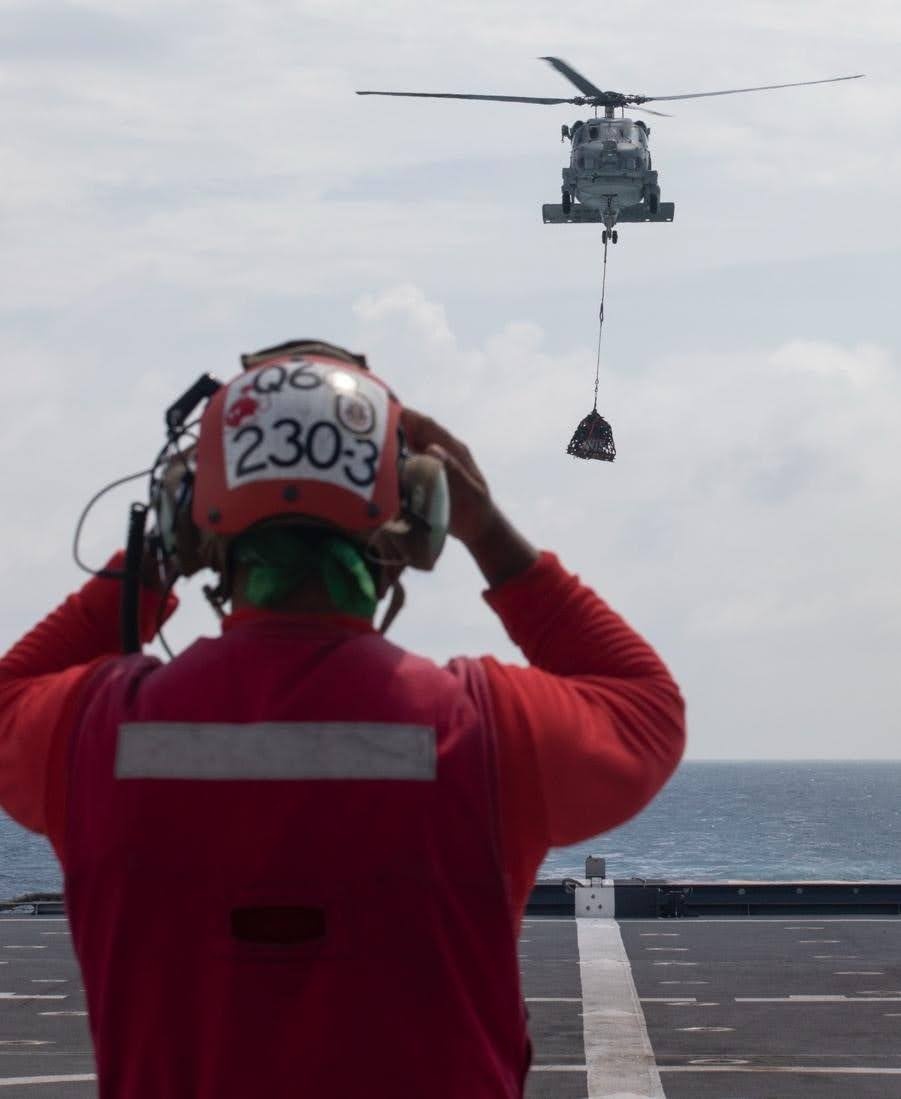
{"x": 567, "y": 202}
{"x": 654, "y": 201}
{"x": 612, "y": 235}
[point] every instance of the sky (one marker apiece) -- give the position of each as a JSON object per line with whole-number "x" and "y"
{"x": 183, "y": 182}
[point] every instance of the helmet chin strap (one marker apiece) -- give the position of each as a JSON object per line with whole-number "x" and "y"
{"x": 395, "y": 605}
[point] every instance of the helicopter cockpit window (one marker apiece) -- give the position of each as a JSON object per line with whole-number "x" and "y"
{"x": 593, "y": 133}
{"x": 623, "y": 131}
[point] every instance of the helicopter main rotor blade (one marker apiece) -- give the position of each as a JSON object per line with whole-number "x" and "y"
{"x": 647, "y": 110}
{"x": 736, "y": 91}
{"x": 454, "y": 95}
{"x": 573, "y": 77}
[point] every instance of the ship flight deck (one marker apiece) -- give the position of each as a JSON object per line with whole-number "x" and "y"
{"x": 731, "y": 992}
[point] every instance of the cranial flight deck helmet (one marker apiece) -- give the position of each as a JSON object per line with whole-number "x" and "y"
{"x": 301, "y": 432}
{"x": 306, "y": 435}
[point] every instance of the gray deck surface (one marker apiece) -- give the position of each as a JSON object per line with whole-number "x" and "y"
{"x": 720, "y": 998}
{"x": 36, "y": 960}
{"x": 773, "y": 959}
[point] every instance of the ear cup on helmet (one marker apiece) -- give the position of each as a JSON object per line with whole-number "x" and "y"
{"x": 191, "y": 548}
{"x": 417, "y": 536}
{"x": 426, "y": 506}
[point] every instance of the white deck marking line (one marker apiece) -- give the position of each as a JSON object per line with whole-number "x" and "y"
{"x": 553, "y": 999}
{"x": 830, "y": 920}
{"x": 819, "y": 940}
{"x": 675, "y": 963}
{"x": 25, "y": 1042}
{"x": 659, "y": 934}
{"x": 804, "y": 927}
{"x": 21, "y": 1081}
{"x": 49, "y": 980}
{"x": 31, "y": 996}
{"x": 706, "y": 1029}
{"x": 31, "y": 919}
{"x": 62, "y": 1013}
{"x": 43, "y": 946}
{"x": 860, "y": 973}
{"x": 683, "y": 948}
{"x": 558, "y": 1068}
{"x": 669, "y": 999}
{"x": 826, "y": 999}
{"x": 620, "y": 1061}
{"x": 771, "y": 919}
{"x": 796, "y": 1070}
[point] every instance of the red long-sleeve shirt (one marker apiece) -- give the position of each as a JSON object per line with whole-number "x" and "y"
{"x": 586, "y": 735}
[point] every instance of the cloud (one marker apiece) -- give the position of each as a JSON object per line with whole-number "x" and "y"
{"x": 171, "y": 186}
{"x": 49, "y": 31}
{"x": 753, "y": 503}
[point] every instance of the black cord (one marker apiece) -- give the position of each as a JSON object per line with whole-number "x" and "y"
{"x": 163, "y": 556}
{"x": 161, "y": 610}
{"x": 130, "y": 603}
{"x": 174, "y": 442}
{"x": 151, "y": 472}
{"x": 106, "y": 574}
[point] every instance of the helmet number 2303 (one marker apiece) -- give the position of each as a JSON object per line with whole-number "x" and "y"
{"x": 289, "y": 444}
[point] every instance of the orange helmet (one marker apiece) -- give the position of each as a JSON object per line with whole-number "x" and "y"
{"x": 305, "y": 432}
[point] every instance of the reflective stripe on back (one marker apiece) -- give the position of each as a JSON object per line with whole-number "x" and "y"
{"x": 275, "y": 751}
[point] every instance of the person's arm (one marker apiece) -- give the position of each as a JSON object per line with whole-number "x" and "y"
{"x": 590, "y": 732}
{"x": 41, "y": 681}
{"x": 604, "y": 714}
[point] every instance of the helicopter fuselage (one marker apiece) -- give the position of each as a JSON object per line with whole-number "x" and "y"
{"x": 610, "y": 167}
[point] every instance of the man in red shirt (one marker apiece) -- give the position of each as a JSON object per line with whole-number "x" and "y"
{"x": 205, "y": 811}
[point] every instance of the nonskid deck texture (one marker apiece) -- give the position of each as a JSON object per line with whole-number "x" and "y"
{"x": 732, "y": 1007}
{"x": 44, "y": 1039}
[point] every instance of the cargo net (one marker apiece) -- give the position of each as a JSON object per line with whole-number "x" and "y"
{"x": 593, "y": 438}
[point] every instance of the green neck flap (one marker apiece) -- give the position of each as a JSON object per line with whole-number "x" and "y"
{"x": 280, "y": 559}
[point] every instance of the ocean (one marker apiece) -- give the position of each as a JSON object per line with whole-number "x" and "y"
{"x": 766, "y": 821}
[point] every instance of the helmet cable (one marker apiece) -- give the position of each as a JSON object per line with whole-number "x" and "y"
{"x": 104, "y": 574}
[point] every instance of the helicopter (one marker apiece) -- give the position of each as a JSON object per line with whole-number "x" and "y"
{"x": 610, "y": 177}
